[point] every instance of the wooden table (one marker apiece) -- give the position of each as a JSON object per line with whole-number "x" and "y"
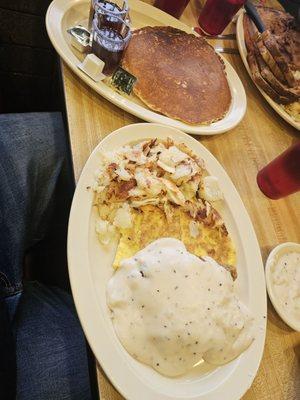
{"x": 243, "y": 151}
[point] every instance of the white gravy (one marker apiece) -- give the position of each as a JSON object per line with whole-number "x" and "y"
{"x": 171, "y": 309}
{"x": 285, "y": 280}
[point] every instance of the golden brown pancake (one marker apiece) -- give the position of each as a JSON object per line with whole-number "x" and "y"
{"x": 178, "y": 74}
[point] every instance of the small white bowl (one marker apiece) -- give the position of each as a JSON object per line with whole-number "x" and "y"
{"x": 275, "y": 253}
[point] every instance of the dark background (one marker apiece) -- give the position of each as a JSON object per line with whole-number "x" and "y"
{"x": 29, "y": 77}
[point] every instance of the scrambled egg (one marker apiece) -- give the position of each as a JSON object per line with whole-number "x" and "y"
{"x": 151, "y": 224}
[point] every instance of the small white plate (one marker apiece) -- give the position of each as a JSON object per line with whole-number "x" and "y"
{"x": 243, "y": 53}
{"x": 90, "y": 268}
{"x": 62, "y": 14}
{"x": 276, "y": 252}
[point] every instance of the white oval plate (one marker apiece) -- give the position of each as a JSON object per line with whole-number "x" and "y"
{"x": 63, "y": 14}
{"x": 278, "y": 250}
{"x": 243, "y": 53}
{"x": 90, "y": 267}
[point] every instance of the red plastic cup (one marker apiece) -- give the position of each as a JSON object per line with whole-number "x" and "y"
{"x": 281, "y": 176}
{"x": 173, "y": 7}
{"x": 217, "y": 14}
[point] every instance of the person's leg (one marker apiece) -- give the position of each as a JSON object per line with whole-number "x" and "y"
{"x": 47, "y": 259}
{"x": 32, "y": 152}
{"x": 32, "y": 149}
{"x": 51, "y": 356}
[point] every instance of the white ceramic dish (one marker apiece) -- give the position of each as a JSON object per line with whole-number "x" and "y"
{"x": 65, "y": 13}
{"x": 90, "y": 267}
{"x": 276, "y": 252}
{"x": 243, "y": 52}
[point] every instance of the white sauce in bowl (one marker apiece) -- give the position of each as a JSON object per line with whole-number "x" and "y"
{"x": 284, "y": 282}
{"x": 171, "y": 309}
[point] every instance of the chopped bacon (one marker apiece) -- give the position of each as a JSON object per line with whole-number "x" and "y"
{"x": 124, "y": 187}
{"x": 148, "y": 145}
{"x": 111, "y": 168}
{"x": 160, "y": 172}
{"x": 201, "y": 214}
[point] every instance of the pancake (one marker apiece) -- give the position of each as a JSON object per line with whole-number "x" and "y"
{"x": 178, "y": 75}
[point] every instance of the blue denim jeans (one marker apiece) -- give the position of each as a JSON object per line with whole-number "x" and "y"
{"x": 42, "y": 347}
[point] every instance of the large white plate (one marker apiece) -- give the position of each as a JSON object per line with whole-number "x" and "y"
{"x": 243, "y": 52}
{"x": 63, "y": 14}
{"x": 90, "y": 267}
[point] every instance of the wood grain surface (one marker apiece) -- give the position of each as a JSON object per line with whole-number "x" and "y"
{"x": 243, "y": 151}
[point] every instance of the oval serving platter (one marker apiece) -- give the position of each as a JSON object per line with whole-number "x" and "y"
{"x": 90, "y": 267}
{"x": 243, "y": 53}
{"x": 62, "y": 14}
